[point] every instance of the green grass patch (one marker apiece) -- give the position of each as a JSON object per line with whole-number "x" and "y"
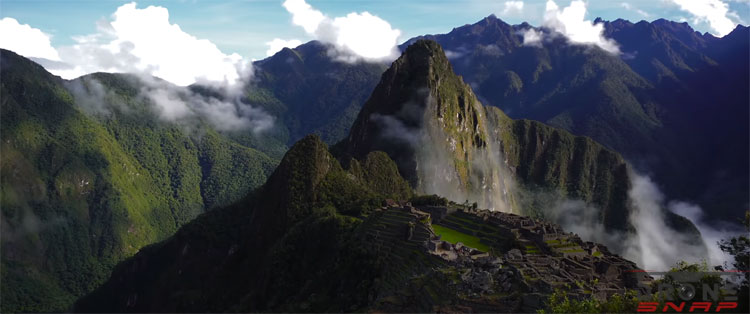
{"x": 454, "y": 237}
{"x": 531, "y": 249}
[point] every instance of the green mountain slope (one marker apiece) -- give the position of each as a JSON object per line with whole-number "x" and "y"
{"x": 251, "y": 255}
{"x": 80, "y": 192}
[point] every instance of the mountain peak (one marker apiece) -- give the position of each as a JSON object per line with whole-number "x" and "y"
{"x": 429, "y": 46}
{"x": 401, "y": 93}
{"x": 423, "y": 53}
{"x": 418, "y": 104}
{"x": 489, "y": 19}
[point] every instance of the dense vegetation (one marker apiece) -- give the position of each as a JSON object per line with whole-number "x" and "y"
{"x": 83, "y": 189}
{"x": 560, "y": 302}
{"x": 258, "y": 254}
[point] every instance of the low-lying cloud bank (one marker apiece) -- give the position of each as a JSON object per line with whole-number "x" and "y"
{"x": 176, "y": 104}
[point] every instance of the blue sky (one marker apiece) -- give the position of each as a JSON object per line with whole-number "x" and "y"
{"x": 244, "y": 26}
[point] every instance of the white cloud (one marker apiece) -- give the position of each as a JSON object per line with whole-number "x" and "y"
{"x": 179, "y": 104}
{"x": 304, "y": 15}
{"x": 532, "y": 37}
{"x": 655, "y": 245}
{"x": 26, "y": 40}
{"x": 138, "y": 41}
{"x": 512, "y": 7}
{"x": 175, "y": 104}
{"x": 714, "y": 12}
{"x": 629, "y": 7}
{"x": 571, "y": 22}
{"x": 144, "y": 42}
{"x": 355, "y": 36}
{"x": 711, "y": 235}
{"x": 652, "y": 243}
{"x": 277, "y": 44}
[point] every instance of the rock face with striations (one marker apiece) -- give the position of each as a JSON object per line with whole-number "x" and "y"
{"x": 446, "y": 142}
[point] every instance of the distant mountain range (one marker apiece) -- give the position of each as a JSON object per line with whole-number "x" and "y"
{"x": 675, "y": 103}
{"x": 83, "y": 189}
{"x": 672, "y": 103}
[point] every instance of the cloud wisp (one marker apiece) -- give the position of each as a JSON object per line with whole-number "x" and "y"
{"x": 356, "y": 36}
{"x": 715, "y": 13}
{"x": 654, "y": 244}
{"x": 629, "y": 7}
{"x": 570, "y": 22}
{"x": 277, "y": 44}
{"x": 173, "y": 104}
{"x": 512, "y": 7}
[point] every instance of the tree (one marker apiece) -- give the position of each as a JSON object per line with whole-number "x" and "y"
{"x": 560, "y": 302}
{"x": 739, "y": 248}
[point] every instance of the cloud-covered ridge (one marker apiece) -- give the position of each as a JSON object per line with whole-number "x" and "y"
{"x": 174, "y": 104}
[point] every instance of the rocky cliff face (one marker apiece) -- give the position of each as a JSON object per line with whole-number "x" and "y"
{"x": 430, "y": 122}
{"x": 446, "y": 142}
{"x": 659, "y": 103}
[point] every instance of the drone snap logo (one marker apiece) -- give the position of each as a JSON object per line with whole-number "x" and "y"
{"x": 684, "y": 291}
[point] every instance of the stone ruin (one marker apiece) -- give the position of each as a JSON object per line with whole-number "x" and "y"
{"x": 542, "y": 258}
{"x": 564, "y": 261}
